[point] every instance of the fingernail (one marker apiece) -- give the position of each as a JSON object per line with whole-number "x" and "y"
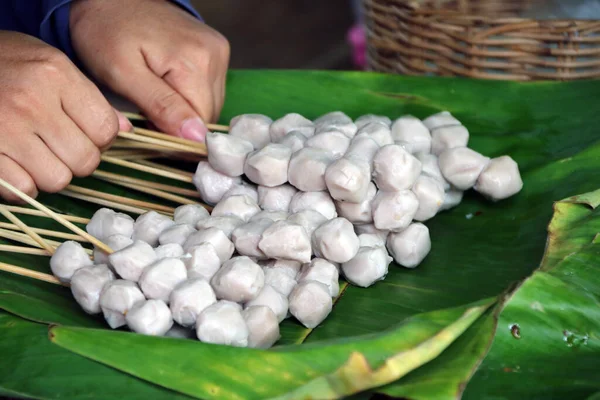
{"x": 193, "y": 129}
{"x": 124, "y": 124}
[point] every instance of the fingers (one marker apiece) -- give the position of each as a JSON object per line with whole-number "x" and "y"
{"x": 14, "y": 174}
{"x": 124, "y": 124}
{"x": 163, "y": 105}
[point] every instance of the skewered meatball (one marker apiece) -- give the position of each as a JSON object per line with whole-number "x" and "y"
{"x": 377, "y": 131}
{"x": 67, "y": 259}
{"x": 368, "y": 266}
{"x": 190, "y": 214}
{"x": 226, "y": 224}
{"x": 323, "y": 271}
{"x": 316, "y": 201}
{"x": 214, "y": 236}
{"x": 394, "y": 211}
{"x": 291, "y": 122}
{"x": 203, "y": 261}
{"x": 462, "y": 166}
{"x": 212, "y": 184}
{"x": 395, "y": 169}
{"x": 269, "y": 165}
{"x": 87, "y": 284}
{"x": 439, "y": 120}
{"x": 240, "y": 206}
{"x": 335, "y": 120}
{"x": 239, "y": 279}
{"x": 189, "y": 299}
{"x": 335, "y": 240}
{"x": 150, "y": 317}
{"x": 177, "y": 233}
{"x": 270, "y": 215}
{"x": 335, "y": 142}
{"x": 159, "y": 279}
{"x": 222, "y": 323}
{"x": 243, "y": 188}
{"x": 251, "y": 127}
{"x": 149, "y": 226}
{"x": 273, "y": 299}
{"x": 410, "y": 246}
{"x": 130, "y": 261}
{"x": 448, "y": 137}
{"x": 106, "y": 222}
{"x": 308, "y": 219}
{"x": 430, "y": 194}
{"x": 369, "y": 118}
{"x": 171, "y": 250}
{"x": 262, "y": 325}
{"x": 348, "y": 179}
{"x": 412, "y": 134}
{"x": 116, "y": 243}
{"x": 500, "y": 179}
{"x": 358, "y": 213}
{"x": 227, "y": 154}
{"x": 295, "y": 140}
{"x": 276, "y": 198}
{"x": 246, "y": 237}
{"x": 310, "y": 303}
{"x": 286, "y": 240}
{"x": 117, "y": 298}
{"x": 307, "y": 169}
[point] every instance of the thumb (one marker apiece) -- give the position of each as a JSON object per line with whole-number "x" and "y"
{"x": 124, "y": 123}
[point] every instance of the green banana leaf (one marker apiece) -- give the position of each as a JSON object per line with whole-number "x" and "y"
{"x": 420, "y": 334}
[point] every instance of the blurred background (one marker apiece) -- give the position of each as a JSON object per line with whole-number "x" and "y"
{"x": 299, "y": 34}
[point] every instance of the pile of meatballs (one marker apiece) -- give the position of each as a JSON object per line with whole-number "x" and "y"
{"x": 297, "y": 204}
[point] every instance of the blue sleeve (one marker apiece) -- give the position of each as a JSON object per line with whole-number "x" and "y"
{"x": 48, "y": 20}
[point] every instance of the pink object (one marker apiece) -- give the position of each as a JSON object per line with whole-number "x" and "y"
{"x": 193, "y": 129}
{"x": 358, "y": 40}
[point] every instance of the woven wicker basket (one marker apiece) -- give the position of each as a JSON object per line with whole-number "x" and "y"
{"x": 487, "y": 39}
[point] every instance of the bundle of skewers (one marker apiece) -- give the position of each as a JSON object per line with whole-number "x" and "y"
{"x": 274, "y": 214}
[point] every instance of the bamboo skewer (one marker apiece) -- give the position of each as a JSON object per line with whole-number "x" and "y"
{"x": 35, "y": 251}
{"x": 168, "y": 144}
{"x": 154, "y": 185}
{"x": 38, "y": 213}
{"x": 56, "y": 216}
{"x": 166, "y": 168}
{"x": 151, "y": 170}
{"x": 120, "y": 199}
{"x": 31, "y": 233}
{"x": 155, "y": 192}
{"x": 13, "y": 269}
{"x": 105, "y": 203}
{"x": 24, "y": 238}
{"x": 139, "y": 117}
{"x": 164, "y": 136}
{"x": 45, "y": 232}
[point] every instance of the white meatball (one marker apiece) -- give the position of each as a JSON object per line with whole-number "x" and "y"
{"x": 430, "y": 166}
{"x": 307, "y": 169}
{"x": 335, "y": 240}
{"x": 262, "y": 325}
{"x": 67, "y": 259}
{"x": 462, "y": 166}
{"x": 212, "y": 184}
{"x": 243, "y": 188}
{"x": 273, "y": 299}
{"x": 291, "y": 122}
{"x": 316, "y": 201}
{"x": 240, "y": 206}
{"x": 106, "y": 222}
{"x": 363, "y": 147}
{"x": 117, "y": 298}
{"x": 430, "y": 194}
{"x": 251, "y": 127}
{"x": 379, "y": 132}
{"x": 226, "y": 153}
{"x": 269, "y": 165}
{"x": 452, "y": 198}
{"x": 203, "y": 261}
{"x": 130, "y": 261}
{"x": 395, "y": 169}
{"x": 87, "y": 284}
{"x": 335, "y": 142}
{"x": 448, "y": 137}
{"x": 271, "y": 215}
{"x": 290, "y": 267}
{"x": 225, "y": 224}
{"x": 189, "y": 299}
{"x": 279, "y": 279}
{"x": 239, "y": 279}
{"x": 500, "y": 179}
{"x": 276, "y": 198}
{"x": 371, "y": 240}
{"x": 177, "y": 233}
{"x": 370, "y": 229}
{"x": 348, "y": 179}
{"x": 308, "y": 219}
{"x": 335, "y": 120}
{"x": 323, "y": 271}
{"x": 439, "y": 120}
{"x": 223, "y": 246}
{"x": 116, "y": 243}
{"x": 310, "y": 303}
{"x": 394, "y": 211}
{"x": 222, "y": 323}
{"x": 159, "y": 279}
{"x": 171, "y": 250}
{"x": 368, "y": 266}
{"x": 190, "y": 214}
{"x": 412, "y": 134}
{"x": 149, "y": 226}
{"x": 410, "y": 246}
{"x": 294, "y": 140}
{"x": 180, "y": 332}
{"x": 286, "y": 240}
{"x": 358, "y": 213}
{"x": 369, "y": 118}
{"x": 246, "y": 237}
{"x": 150, "y": 317}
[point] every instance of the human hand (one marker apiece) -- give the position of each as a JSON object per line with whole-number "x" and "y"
{"x": 54, "y": 120}
{"x": 156, "y": 55}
